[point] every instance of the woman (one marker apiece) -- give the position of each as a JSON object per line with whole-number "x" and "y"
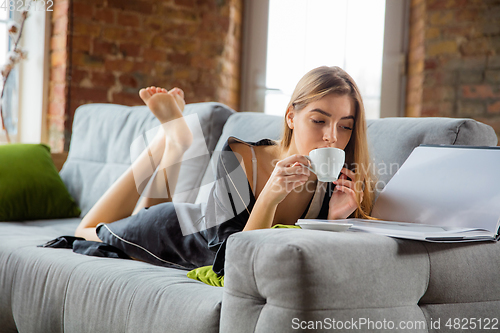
{"x": 326, "y": 110}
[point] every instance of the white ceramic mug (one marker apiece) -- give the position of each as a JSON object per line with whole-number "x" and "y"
{"x": 326, "y": 163}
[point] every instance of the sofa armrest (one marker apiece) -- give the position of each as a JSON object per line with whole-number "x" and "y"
{"x": 278, "y": 278}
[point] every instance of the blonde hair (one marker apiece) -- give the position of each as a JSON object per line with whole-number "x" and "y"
{"x": 315, "y": 85}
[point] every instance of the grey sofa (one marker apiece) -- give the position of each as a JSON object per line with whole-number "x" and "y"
{"x": 276, "y": 280}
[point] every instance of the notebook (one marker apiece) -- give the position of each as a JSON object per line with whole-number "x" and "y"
{"x": 441, "y": 194}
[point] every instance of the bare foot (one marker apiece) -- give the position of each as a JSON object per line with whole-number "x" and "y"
{"x": 167, "y": 106}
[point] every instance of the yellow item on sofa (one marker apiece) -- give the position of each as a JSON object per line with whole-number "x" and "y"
{"x": 206, "y": 274}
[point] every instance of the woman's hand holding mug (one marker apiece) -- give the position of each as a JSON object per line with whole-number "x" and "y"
{"x": 328, "y": 163}
{"x": 343, "y": 201}
{"x": 288, "y": 174}
{"x": 295, "y": 170}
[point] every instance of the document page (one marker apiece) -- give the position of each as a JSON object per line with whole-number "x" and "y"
{"x": 419, "y": 231}
{"x": 445, "y": 186}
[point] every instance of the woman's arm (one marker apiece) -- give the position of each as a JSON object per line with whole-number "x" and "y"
{"x": 262, "y": 215}
{"x": 287, "y": 175}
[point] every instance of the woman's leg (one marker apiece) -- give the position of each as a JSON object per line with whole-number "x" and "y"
{"x": 167, "y": 148}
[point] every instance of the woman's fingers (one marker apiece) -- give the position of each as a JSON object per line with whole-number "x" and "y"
{"x": 295, "y": 178}
{"x": 297, "y": 168}
{"x": 348, "y": 173}
{"x": 291, "y": 160}
{"x": 345, "y": 187}
{"x": 344, "y": 182}
{"x": 293, "y": 165}
{"x": 347, "y": 191}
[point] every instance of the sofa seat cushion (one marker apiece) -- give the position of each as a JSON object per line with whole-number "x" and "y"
{"x": 15, "y": 238}
{"x": 463, "y": 283}
{"x": 473, "y": 269}
{"x": 56, "y": 290}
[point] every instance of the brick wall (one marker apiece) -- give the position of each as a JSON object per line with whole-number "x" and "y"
{"x": 416, "y": 56}
{"x": 56, "y": 114}
{"x": 460, "y": 65}
{"x": 112, "y": 48}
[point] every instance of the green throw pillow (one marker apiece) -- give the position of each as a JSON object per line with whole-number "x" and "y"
{"x": 30, "y": 186}
{"x": 206, "y": 274}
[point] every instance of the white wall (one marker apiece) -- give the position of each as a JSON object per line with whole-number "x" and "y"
{"x": 394, "y": 74}
{"x": 254, "y": 55}
{"x": 33, "y": 78}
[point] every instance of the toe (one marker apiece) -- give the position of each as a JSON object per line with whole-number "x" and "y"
{"x": 178, "y": 92}
{"x": 181, "y": 92}
{"x": 144, "y": 94}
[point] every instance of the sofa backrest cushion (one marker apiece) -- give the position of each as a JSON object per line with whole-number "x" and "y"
{"x": 248, "y": 126}
{"x": 391, "y": 140}
{"x": 100, "y": 148}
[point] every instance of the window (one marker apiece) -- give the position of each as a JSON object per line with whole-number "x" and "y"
{"x": 9, "y": 101}
{"x": 303, "y": 35}
{"x": 26, "y": 94}
{"x": 364, "y": 37}
{"x": 4, "y": 36}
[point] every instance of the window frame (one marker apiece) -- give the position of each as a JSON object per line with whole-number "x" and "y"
{"x": 394, "y": 58}
{"x": 254, "y": 55}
